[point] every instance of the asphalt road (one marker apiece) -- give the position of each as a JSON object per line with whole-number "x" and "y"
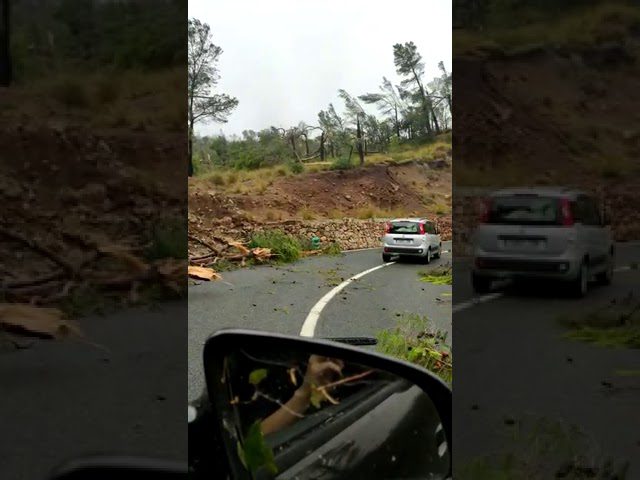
{"x": 279, "y": 299}
{"x": 63, "y": 400}
{"x": 512, "y": 363}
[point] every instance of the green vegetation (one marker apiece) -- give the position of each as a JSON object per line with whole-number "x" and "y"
{"x": 540, "y": 448}
{"x": 615, "y": 326}
{"x": 626, "y": 337}
{"x": 437, "y": 276}
{"x": 415, "y": 341}
{"x": 342, "y": 163}
{"x": 65, "y": 35}
{"x": 513, "y": 27}
{"x": 414, "y": 112}
{"x": 168, "y": 240}
{"x": 286, "y": 248}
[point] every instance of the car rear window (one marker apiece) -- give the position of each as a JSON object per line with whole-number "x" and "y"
{"x": 404, "y": 227}
{"x": 525, "y": 210}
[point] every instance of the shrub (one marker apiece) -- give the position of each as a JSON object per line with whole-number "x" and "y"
{"x": 414, "y": 340}
{"x": 285, "y": 247}
{"x": 217, "y": 179}
{"x": 70, "y": 92}
{"x": 168, "y": 239}
{"x": 232, "y": 178}
{"x": 296, "y": 167}
{"x": 307, "y": 214}
{"x": 107, "y": 89}
{"x": 341, "y": 163}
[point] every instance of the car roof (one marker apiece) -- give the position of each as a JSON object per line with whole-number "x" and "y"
{"x": 412, "y": 219}
{"x": 561, "y": 192}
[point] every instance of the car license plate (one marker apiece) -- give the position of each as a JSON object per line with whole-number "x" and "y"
{"x": 528, "y": 243}
{"x": 403, "y": 240}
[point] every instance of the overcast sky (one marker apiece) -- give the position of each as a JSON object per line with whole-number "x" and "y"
{"x": 285, "y": 60}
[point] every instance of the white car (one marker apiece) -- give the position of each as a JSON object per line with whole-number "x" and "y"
{"x": 411, "y": 237}
{"x": 542, "y": 233}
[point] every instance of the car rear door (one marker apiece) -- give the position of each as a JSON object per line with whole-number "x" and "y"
{"x": 522, "y": 225}
{"x": 405, "y": 233}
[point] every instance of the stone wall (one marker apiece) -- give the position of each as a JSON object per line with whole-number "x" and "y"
{"x": 349, "y": 233}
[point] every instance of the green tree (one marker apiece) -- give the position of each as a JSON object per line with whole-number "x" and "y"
{"x": 202, "y": 77}
{"x": 388, "y": 102}
{"x": 334, "y": 129}
{"x": 356, "y": 114}
{"x": 408, "y": 62}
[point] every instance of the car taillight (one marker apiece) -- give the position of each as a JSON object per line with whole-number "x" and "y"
{"x": 485, "y": 210}
{"x": 566, "y": 213}
{"x": 422, "y": 229}
{"x": 387, "y": 228}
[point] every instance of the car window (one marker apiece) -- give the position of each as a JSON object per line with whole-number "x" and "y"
{"x": 525, "y": 210}
{"x": 405, "y": 227}
{"x": 430, "y": 228}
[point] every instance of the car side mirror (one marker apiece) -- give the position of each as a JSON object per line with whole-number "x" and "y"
{"x": 108, "y": 468}
{"x": 310, "y": 408}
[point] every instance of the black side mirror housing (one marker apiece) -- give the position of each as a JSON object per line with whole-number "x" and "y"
{"x": 222, "y": 354}
{"x": 108, "y": 467}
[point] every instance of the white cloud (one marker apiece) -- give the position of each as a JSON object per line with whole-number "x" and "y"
{"x": 285, "y": 60}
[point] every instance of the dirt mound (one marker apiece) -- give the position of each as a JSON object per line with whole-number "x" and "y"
{"x": 553, "y": 117}
{"x": 408, "y": 189}
{"x": 69, "y": 192}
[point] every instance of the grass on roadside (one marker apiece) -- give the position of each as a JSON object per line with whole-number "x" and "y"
{"x": 614, "y": 325}
{"x": 414, "y": 340}
{"x": 285, "y": 248}
{"x": 539, "y": 448}
{"x": 438, "y": 276}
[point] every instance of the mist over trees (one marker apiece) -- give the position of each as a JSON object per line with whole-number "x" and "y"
{"x": 414, "y": 111}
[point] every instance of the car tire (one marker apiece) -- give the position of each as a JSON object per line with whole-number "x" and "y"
{"x": 437, "y": 255}
{"x": 386, "y": 257}
{"x": 427, "y": 258}
{"x": 580, "y": 285}
{"x": 481, "y": 284}
{"x": 605, "y": 278}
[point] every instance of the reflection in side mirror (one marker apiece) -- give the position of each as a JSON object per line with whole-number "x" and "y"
{"x": 290, "y": 407}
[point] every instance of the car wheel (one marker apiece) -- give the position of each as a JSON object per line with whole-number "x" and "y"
{"x": 606, "y": 277}
{"x": 481, "y": 284}
{"x": 580, "y": 285}
{"x": 386, "y": 257}
{"x": 427, "y": 257}
{"x": 437, "y": 255}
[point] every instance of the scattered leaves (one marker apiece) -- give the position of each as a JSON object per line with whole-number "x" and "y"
{"x": 254, "y": 453}
{"x": 256, "y": 376}
{"x": 39, "y": 321}
{"x": 203, "y": 273}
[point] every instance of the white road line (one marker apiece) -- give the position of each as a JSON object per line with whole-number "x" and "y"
{"x": 309, "y": 325}
{"x": 476, "y": 301}
{"x": 493, "y": 296}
